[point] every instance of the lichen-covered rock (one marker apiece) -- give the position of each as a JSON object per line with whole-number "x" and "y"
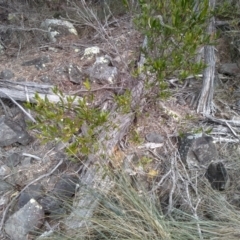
{"x": 57, "y": 28}
{"x": 26, "y": 220}
{"x": 197, "y": 150}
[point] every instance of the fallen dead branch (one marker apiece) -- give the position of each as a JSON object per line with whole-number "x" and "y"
{"x": 204, "y": 101}
{"x": 25, "y": 91}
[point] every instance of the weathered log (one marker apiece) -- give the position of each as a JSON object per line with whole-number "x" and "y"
{"x": 204, "y": 101}
{"x": 25, "y": 91}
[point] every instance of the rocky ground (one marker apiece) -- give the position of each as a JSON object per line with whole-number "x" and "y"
{"x": 39, "y": 181}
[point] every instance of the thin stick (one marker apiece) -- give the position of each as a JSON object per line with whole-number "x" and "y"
{"x": 24, "y": 111}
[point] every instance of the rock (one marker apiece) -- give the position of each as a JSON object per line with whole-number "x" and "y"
{"x": 217, "y": 176}
{"x": 45, "y": 79}
{"x": 6, "y": 74}
{"x": 4, "y": 170}
{"x": 5, "y": 187}
{"x": 39, "y": 62}
{"x": 102, "y": 70}
{"x": 27, "y": 161}
{"x": 57, "y": 28}
{"x": 13, "y": 160}
{"x": 90, "y": 52}
{"x": 26, "y": 220}
{"x": 11, "y": 132}
{"x": 154, "y": 137}
{"x": 75, "y": 74}
{"x": 52, "y": 206}
{"x": 197, "y": 150}
{"x": 3, "y": 200}
{"x": 230, "y": 69}
{"x": 65, "y": 187}
{"x": 32, "y": 192}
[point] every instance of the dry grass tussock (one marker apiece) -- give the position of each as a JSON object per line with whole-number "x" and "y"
{"x": 181, "y": 207}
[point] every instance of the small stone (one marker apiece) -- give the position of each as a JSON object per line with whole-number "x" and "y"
{"x": 52, "y": 206}
{"x": 33, "y": 191}
{"x": 4, "y": 170}
{"x": 45, "y": 79}
{"x": 5, "y": 187}
{"x": 230, "y": 69}
{"x": 26, "y": 161}
{"x": 65, "y": 187}
{"x": 13, "y": 160}
{"x": 75, "y": 74}
{"x": 3, "y": 200}
{"x": 6, "y": 74}
{"x": 155, "y": 138}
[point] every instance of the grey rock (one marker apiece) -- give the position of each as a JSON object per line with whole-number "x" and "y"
{"x": 154, "y": 137}
{"x": 75, "y": 74}
{"x": 102, "y": 70}
{"x": 197, "y": 150}
{"x": 65, "y": 187}
{"x": 11, "y": 132}
{"x": 217, "y": 176}
{"x": 26, "y": 220}
{"x": 32, "y": 192}
{"x": 39, "y": 62}
{"x": 6, "y": 74}
{"x": 230, "y": 69}
{"x": 60, "y": 70}
{"x": 52, "y": 206}
{"x": 5, "y": 187}
{"x": 13, "y": 160}
{"x": 4, "y": 170}
{"x": 26, "y": 161}
{"x": 7, "y": 135}
{"x": 57, "y": 28}
{"x": 45, "y": 79}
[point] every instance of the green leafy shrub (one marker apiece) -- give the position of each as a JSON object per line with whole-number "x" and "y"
{"x": 174, "y": 30}
{"x": 70, "y": 121}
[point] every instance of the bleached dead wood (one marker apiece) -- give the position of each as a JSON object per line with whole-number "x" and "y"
{"x": 25, "y": 91}
{"x": 204, "y": 101}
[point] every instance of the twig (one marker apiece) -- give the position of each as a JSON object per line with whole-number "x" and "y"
{"x": 174, "y": 180}
{"x": 194, "y": 210}
{"x": 161, "y": 181}
{"x": 32, "y": 182}
{"x": 32, "y": 156}
{"x": 227, "y": 140}
{"x": 224, "y": 122}
{"x": 24, "y": 111}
